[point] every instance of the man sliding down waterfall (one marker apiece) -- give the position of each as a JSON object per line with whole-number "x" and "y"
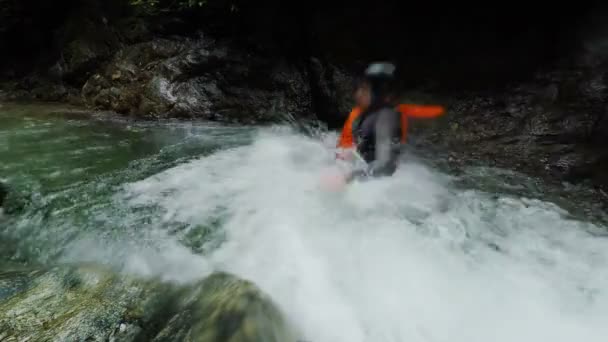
{"x": 376, "y": 128}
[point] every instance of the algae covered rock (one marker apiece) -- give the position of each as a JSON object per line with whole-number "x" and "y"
{"x": 92, "y": 303}
{"x": 81, "y": 303}
{"x": 65, "y": 303}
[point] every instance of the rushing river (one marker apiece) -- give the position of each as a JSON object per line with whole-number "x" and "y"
{"x": 485, "y": 255}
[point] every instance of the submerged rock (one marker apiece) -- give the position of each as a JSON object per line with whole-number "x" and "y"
{"x": 89, "y": 302}
{"x": 3, "y": 194}
{"x": 11, "y": 200}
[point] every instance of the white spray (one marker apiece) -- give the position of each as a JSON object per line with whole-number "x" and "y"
{"x": 400, "y": 259}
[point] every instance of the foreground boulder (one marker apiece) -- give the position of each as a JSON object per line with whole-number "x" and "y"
{"x": 88, "y": 302}
{"x": 228, "y": 309}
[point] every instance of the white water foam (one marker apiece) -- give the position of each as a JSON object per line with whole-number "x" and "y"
{"x": 401, "y": 259}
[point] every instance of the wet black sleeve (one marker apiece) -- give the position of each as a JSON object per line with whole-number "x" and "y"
{"x": 388, "y": 143}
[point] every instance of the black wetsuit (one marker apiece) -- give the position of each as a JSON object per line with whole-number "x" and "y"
{"x": 377, "y": 136}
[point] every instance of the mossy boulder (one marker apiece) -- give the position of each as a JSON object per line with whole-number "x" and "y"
{"x": 228, "y": 309}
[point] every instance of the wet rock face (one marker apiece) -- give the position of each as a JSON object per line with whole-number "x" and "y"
{"x": 554, "y": 126}
{"x": 332, "y": 89}
{"x": 89, "y": 302}
{"x": 187, "y": 78}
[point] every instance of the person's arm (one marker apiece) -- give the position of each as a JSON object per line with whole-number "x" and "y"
{"x": 421, "y": 111}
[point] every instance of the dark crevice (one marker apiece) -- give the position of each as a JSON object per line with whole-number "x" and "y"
{"x": 325, "y": 109}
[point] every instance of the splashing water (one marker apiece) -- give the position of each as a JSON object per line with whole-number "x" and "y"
{"x": 409, "y": 258}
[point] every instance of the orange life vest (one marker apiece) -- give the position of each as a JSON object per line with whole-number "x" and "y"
{"x": 346, "y": 139}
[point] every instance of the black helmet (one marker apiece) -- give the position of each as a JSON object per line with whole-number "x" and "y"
{"x": 381, "y": 78}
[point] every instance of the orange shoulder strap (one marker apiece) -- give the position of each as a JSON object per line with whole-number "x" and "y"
{"x": 346, "y": 137}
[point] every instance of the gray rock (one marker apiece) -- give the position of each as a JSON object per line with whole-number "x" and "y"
{"x": 200, "y": 78}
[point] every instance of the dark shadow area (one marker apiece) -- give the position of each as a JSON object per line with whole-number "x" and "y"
{"x": 452, "y": 45}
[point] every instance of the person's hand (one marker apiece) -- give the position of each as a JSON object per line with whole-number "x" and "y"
{"x": 333, "y": 180}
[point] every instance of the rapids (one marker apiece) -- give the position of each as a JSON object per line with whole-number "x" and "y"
{"x": 423, "y": 256}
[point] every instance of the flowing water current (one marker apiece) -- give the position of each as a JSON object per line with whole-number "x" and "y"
{"x": 485, "y": 255}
